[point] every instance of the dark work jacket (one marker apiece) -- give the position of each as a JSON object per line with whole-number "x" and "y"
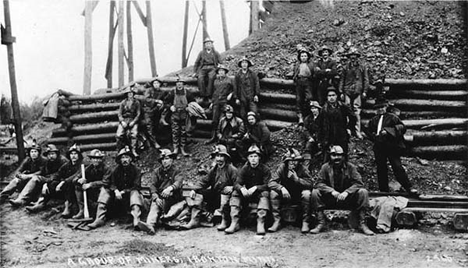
{"x": 68, "y": 172}
{"x": 279, "y": 179}
{"x": 149, "y": 99}
{"x": 321, "y": 66}
{"x": 296, "y": 70}
{"x": 222, "y": 88}
{"x": 311, "y": 127}
{"x": 218, "y": 178}
{"x": 328, "y": 181}
{"x": 259, "y": 134}
{"x": 181, "y": 114}
{"x": 249, "y": 177}
{"x": 96, "y": 176}
{"x": 205, "y": 58}
{"x": 124, "y": 179}
{"x": 395, "y": 129}
{"x": 354, "y": 80}
{"x": 237, "y": 126}
{"x": 129, "y": 113}
{"x": 50, "y": 169}
{"x": 333, "y": 123}
{"x": 165, "y": 178}
{"x": 246, "y": 86}
{"x": 30, "y": 166}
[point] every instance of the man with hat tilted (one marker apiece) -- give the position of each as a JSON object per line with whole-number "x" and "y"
{"x": 95, "y": 174}
{"x": 61, "y": 184}
{"x": 178, "y": 100}
{"x": 230, "y": 131}
{"x": 354, "y": 84}
{"x": 290, "y": 184}
{"x": 340, "y": 186}
{"x": 325, "y": 72}
{"x": 122, "y": 188}
{"x": 129, "y": 113}
{"x": 154, "y": 110}
{"x": 246, "y": 87}
{"x": 216, "y": 188}
{"x": 252, "y": 186}
{"x": 223, "y": 89}
{"x": 386, "y": 130}
{"x": 205, "y": 68}
{"x": 302, "y": 76}
{"x": 165, "y": 188}
{"x": 30, "y": 166}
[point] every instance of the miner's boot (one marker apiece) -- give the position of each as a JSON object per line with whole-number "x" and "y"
{"x": 136, "y": 213}
{"x": 80, "y": 201}
{"x": 223, "y": 225}
{"x": 300, "y": 119}
{"x": 38, "y": 206}
{"x": 176, "y": 149}
{"x": 183, "y": 142}
{"x": 66, "y": 210}
{"x": 358, "y": 126}
{"x": 9, "y": 189}
{"x": 320, "y": 222}
{"x": 184, "y": 152}
{"x": 194, "y": 220}
{"x": 224, "y": 203}
{"x": 234, "y": 227}
{"x": 362, "y": 223}
{"x": 305, "y": 212}
{"x": 100, "y": 217}
{"x": 134, "y": 147}
{"x": 275, "y": 210}
{"x": 261, "y": 215}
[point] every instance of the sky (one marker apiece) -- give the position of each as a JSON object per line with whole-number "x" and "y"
{"x": 49, "y": 48}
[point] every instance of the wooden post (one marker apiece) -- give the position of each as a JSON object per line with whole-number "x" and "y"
{"x": 121, "y": 42}
{"x": 149, "y": 28}
{"x": 110, "y": 46}
{"x": 88, "y": 62}
{"x": 254, "y": 22}
{"x": 184, "y": 38}
{"x": 227, "y": 46}
{"x": 8, "y": 40}
{"x": 129, "y": 41}
{"x": 205, "y": 22}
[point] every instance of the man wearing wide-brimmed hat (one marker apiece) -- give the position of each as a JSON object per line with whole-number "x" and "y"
{"x": 302, "y": 75}
{"x": 205, "y": 68}
{"x": 129, "y": 114}
{"x": 230, "y": 131}
{"x": 154, "y": 110}
{"x": 325, "y": 72}
{"x": 311, "y": 129}
{"x": 354, "y": 84}
{"x": 95, "y": 174}
{"x": 165, "y": 188}
{"x": 223, "y": 89}
{"x": 291, "y": 183}
{"x": 61, "y": 184}
{"x": 252, "y": 186}
{"x": 216, "y": 188}
{"x": 340, "y": 185}
{"x": 386, "y": 130}
{"x": 178, "y": 100}
{"x": 30, "y": 166}
{"x": 246, "y": 87}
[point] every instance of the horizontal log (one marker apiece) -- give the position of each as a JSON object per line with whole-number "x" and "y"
{"x": 436, "y": 137}
{"x": 110, "y": 96}
{"x": 275, "y": 114}
{"x": 274, "y": 97}
{"x": 442, "y": 152}
{"x": 431, "y": 123}
{"x": 9, "y": 150}
{"x": 85, "y": 139}
{"x": 431, "y": 94}
{"x": 448, "y": 210}
{"x": 275, "y": 125}
{"x": 427, "y": 83}
{"x": 77, "y": 108}
{"x": 199, "y": 133}
{"x": 441, "y": 197}
{"x": 277, "y": 106}
{"x": 93, "y": 117}
{"x": 90, "y": 128}
{"x": 112, "y": 146}
{"x": 418, "y": 104}
{"x": 437, "y": 204}
{"x": 367, "y": 113}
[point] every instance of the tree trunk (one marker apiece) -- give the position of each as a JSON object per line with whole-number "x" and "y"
{"x": 88, "y": 35}
{"x": 149, "y": 28}
{"x": 129, "y": 42}
{"x": 184, "y": 37}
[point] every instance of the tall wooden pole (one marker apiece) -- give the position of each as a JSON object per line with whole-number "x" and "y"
{"x": 129, "y": 41}
{"x": 149, "y": 29}
{"x": 8, "y": 40}
{"x": 121, "y": 43}
{"x": 88, "y": 62}
{"x": 110, "y": 45}
{"x": 227, "y": 46}
{"x": 254, "y": 20}
{"x": 184, "y": 38}
{"x": 205, "y": 21}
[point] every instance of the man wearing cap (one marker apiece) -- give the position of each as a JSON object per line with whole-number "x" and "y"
{"x": 386, "y": 130}
{"x": 311, "y": 129}
{"x": 290, "y": 184}
{"x": 246, "y": 87}
{"x": 230, "y": 132}
{"x": 205, "y": 68}
{"x": 339, "y": 185}
{"x": 30, "y": 166}
{"x": 94, "y": 178}
{"x": 165, "y": 188}
{"x": 252, "y": 186}
{"x": 129, "y": 113}
{"x": 223, "y": 88}
{"x": 61, "y": 184}
{"x": 154, "y": 110}
{"x": 178, "y": 100}
{"x": 335, "y": 120}
{"x": 354, "y": 83}
{"x": 325, "y": 72}
{"x": 216, "y": 187}
{"x": 124, "y": 190}
{"x": 257, "y": 132}
{"x": 302, "y": 76}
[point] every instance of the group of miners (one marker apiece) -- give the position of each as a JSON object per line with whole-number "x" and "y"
{"x": 241, "y": 138}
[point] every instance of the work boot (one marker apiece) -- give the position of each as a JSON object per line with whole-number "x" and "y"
{"x": 66, "y": 210}
{"x": 184, "y": 153}
{"x": 261, "y": 215}
{"x": 163, "y": 121}
{"x": 100, "y": 216}
{"x": 136, "y": 213}
{"x": 305, "y": 227}
{"x": 80, "y": 201}
{"x": 320, "y": 222}
{"x": 362, "y": 223}
{"x": 9, "y": 189}
{"x": 234, "y": 227}
{"x": 194, "y": 220}
{"x": 146, "y": 227}
{"x": 134, "y": 142}
{"x": 156, "y": 145}
{"x": 176, "y": 150}
{"x": 17, "y": 202}
{"x": 300, "y": 119}
{"x": 305, "y": 203}
{"x": 275, "y": 210}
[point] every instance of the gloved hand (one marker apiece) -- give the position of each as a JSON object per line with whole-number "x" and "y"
{"x": 86, "y": 186}
{"x": 245, "y": 192}
{"x": 173, "y": 109}
{"x": 159, "y": 202}
{"x": 252, "y": 190}
{"x": 167, "y": 192}
{"x": 192, "y": 194}
{"x": 227, "y": 190}
{"x": 285, "y": 193}
{"x": 118, "y": 194}
{"x": 81, "y": 180}
{"x": 45, "y": 189}
{"x": 342, "y": 196}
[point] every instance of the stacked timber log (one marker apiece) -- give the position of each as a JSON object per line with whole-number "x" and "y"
{"x": 434, "y": 111}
